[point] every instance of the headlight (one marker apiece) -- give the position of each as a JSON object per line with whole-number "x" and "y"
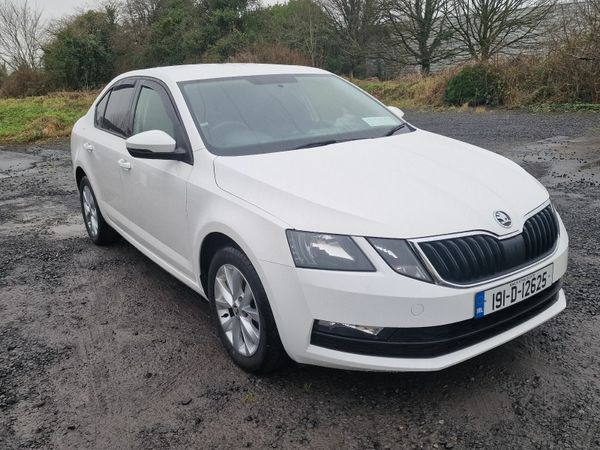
{"x": 400, "y": 257}
{"x": 327, "y": 251}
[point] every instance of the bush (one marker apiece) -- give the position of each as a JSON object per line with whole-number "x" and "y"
{"x": 79, "y": 54}
{"x": 474, "y": 85}
{"x": 574, "y": 70}
{"x": 25, "y": 83}
{"x": 567, "y": 74}
{"x": 3, "y": 74}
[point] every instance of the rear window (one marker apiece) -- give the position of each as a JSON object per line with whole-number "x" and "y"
{"x": 116, "y": 115}
{"x": 100, "y": 108}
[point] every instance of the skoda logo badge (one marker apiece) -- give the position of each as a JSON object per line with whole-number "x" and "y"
{"x": 503, "y": 219}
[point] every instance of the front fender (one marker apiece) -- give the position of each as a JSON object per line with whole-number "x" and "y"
{"x": 260, "y": 235}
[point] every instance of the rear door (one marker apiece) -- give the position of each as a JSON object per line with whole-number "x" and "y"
{"x": 155, "y": 190}
{"x": 104, "y": 147}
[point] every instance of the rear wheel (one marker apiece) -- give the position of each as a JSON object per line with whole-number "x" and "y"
{"x": 98, "y": 230}
{"x": 242, "y": 313}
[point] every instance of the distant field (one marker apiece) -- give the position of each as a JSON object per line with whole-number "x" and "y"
{"x": 411, "y": 92}
{"x": 41, "y": 118}
{"x": 427, "y": 93}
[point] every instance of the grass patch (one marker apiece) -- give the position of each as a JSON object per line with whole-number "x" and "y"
{"x": 564, "y": 107}
{"x": 41, "y": 118}
{"x": 412, "y": 91}
{"x": 536, "y": 84}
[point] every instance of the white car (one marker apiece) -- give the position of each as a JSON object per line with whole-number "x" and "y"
{"x": 317, "y": 222}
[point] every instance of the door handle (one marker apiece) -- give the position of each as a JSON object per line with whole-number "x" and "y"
{"x": 89, "y": 147}
{"x": 124, "y": 164}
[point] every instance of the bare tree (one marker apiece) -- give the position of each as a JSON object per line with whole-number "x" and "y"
{"x": 589, "y": 12}
{"x": 308, "y": 29}
{"x": 21, "y": 33}
{"x": 113, "y": 10}
{"x": 422, "y": 29}
{"x": 489, "y": 27}
{"x": 300, "y": 25}
{"x": 140, "y": 12}
{"x": 356, "y": 23}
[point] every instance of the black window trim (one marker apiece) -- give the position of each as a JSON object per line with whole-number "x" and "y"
{"x": 129, "y": 81}
{"x": 98, "y": 103}
{"x": 137, "y": 83}
{"x": 164, "y": 92}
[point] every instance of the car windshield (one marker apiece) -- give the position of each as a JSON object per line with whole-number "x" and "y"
{"x": 270, "y": 113}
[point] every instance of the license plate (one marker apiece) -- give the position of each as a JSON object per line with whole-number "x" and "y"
{"x": 492, "y": 300}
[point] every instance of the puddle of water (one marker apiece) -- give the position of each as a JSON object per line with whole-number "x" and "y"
{"x": 15, "y": 162}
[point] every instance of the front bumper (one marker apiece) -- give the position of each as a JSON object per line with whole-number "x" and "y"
{"x": 387, "y": 299}
{"x": 429, "y": 342}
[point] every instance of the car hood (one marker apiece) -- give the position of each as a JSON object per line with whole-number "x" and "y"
{"x": 411, "y": 185}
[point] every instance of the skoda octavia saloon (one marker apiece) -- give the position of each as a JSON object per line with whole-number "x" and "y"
{"x": 317, "y": 222}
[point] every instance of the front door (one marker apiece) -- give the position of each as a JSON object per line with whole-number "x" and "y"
{"x": 155, "y": 190}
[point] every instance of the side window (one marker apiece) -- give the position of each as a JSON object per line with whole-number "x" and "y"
{"x": 100, "y": 108}
{"x": 117, "y": 110}
{"x": 151, "y": 113}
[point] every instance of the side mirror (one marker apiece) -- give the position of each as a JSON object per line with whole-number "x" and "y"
{"x": 153, "y": 144}
{"x": 396, "y": 111}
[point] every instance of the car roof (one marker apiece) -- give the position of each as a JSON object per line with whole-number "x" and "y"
{"x": 227, "y": 70}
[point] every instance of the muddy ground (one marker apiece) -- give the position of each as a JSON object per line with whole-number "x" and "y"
{"x": 100, "y": 348}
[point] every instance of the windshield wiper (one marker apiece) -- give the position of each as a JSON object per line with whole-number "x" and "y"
{"x": 395, "y": 129}
{"x": 317, "y": 144}
{"x": 328, "y": 142}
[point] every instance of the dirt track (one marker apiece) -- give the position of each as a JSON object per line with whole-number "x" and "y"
{"x": 100, "y": 348}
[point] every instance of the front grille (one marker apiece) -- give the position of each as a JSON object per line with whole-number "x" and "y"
{"x": 470, "y": 259}
{"x": 429, "y": 342}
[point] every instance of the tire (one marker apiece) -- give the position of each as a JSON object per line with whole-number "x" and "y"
{"x": 250, "y": 311}
{"x": 98, "y": 230}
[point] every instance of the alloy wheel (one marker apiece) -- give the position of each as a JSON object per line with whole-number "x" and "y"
{"x": 237, "y": 310}
{"x": 90, "y": 211}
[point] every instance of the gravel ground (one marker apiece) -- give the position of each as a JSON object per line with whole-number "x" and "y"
{"x": 100, "y": 348}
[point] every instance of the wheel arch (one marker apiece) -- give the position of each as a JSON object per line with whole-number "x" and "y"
{"x": 211, "y": 243}
{"x": 258, "y": 236}
{"x": 79, "y": 174}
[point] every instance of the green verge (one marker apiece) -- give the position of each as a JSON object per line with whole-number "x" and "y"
{"x": 41, "y": 118}
{"x": 427, "y": 94}
{"x": 563, "y": 107}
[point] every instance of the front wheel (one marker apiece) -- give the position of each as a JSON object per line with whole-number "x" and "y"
{"x": 242, "y": 313}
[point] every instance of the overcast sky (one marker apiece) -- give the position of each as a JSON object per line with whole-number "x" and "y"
{"x": 54, "y": 9}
